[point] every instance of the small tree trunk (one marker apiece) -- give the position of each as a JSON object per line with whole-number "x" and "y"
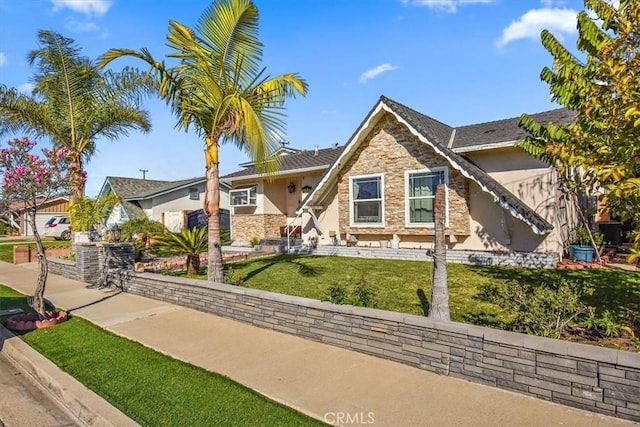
{"x": 37, "y": 301}
{"x": 212, "y": 208}
{"x": 439, "y": 309}
{"x": 193, "y": 264}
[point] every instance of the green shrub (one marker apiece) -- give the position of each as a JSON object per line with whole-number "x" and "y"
{"x": 337, "y": 293}
{"x": 542, "y": 309}
{"x": 233, "y": 277}
{"x": 363, "y": 293}
{"x": 254, "y": 241}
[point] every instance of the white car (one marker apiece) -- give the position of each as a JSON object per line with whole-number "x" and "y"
{"x": 58, "y": 228}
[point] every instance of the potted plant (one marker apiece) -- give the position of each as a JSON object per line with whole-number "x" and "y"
{"x": 582, "y": 249}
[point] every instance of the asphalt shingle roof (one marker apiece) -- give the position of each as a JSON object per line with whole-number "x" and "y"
{"x": 504, "y": 197}
{"x": 505, "y": 130}
{"x": 301, "y": 160}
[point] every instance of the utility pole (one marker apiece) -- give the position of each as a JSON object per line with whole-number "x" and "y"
{"x": 144, "y": 173}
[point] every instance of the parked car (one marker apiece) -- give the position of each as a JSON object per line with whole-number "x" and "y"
{"x": 58, "y": 228}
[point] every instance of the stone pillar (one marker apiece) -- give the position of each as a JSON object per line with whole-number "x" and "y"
{"x": 87, "y": 262}
{"x": 94, "y": 261}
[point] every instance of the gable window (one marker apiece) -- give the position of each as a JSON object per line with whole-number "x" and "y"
{"x": 421, "y": 194}
{"x": 243, "y": 196}
{"x": 194, "y": 194}
{"x": 366, "y": 194}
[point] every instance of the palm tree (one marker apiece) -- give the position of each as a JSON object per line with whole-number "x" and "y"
{"x": 439, "y": 309}
{"x": 73, "y": 103}
{"x": 189, "y": 242}
{"x": 218, "y": 88}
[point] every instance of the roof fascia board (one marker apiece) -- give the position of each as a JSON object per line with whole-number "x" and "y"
{"x": 472, "y": 148}
{"x": 320, "y": 191}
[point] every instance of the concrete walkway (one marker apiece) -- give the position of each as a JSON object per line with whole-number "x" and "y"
{"x": 332, "y": 384}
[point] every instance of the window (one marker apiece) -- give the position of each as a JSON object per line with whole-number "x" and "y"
{"x": 194, "y": 194}
{"x": 421, "y": 194}
{"x": 366, "y": 200}
{"x": 243, "y": 196}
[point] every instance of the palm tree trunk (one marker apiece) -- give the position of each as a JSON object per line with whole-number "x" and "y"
{"x": 193, "y": 264}
{"x": 37, "y": 300}
{"x": 439, "y": 309}
{"x": 212, "y": 208}
{"x": 77, "y": 189}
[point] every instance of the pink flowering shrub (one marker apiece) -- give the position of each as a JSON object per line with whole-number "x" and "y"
{"x": 28, "y": 178}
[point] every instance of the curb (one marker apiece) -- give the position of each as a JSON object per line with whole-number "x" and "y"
{"x": 84, "y": 405}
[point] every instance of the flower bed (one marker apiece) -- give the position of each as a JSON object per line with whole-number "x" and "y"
{"x": 31, "y": 321}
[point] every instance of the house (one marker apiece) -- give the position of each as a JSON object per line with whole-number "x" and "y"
{"x": 16, "y": 217}
{"x": 172, "y": 203}
{"x": 380, "y": 187}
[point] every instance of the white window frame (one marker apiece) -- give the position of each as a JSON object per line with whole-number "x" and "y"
{"x": 407, "y": 175}
{"x": 351, "y": 202}
{"x": 247, "y": 190}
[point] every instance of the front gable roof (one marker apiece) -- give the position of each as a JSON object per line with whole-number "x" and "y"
{"x": 438, "y": 136}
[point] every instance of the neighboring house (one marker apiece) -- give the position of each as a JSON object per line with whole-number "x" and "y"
{"x": 16, "y": 216}
{"x": 168, "y": 202}
{"x": 381, "y": 186}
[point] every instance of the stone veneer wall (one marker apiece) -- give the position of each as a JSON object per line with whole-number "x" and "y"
{"x": 583, "y": 376}
{"x": 593, "y": 378}
{"x": 495, "y": 258}
{"x": 391, "y": 149}
{"x": 94, "y": 261}
{"x": 263, "y": 226}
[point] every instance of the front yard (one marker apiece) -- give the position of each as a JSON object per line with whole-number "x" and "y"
{"x": 405, "y": 286}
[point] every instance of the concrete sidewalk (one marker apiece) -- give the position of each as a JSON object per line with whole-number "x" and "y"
{"x": 325, "y": 382}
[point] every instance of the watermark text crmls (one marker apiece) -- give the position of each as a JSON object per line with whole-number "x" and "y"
{"x": 349, "y": 418}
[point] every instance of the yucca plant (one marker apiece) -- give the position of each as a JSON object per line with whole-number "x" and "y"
{"x": 188, "y": 242}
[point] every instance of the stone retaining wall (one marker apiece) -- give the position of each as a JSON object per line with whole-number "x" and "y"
{"x": 495, "y": 258}
{"x": 583, "y": 376}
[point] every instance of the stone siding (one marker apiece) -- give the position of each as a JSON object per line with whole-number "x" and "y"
{"x": 391, "y": 149}
{"x": 263, "y": 226}
{"x": 583, "y": 376}
{"x": 495, "y": 258}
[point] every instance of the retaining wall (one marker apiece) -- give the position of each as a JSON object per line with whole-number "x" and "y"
{"x": 583, "y": 376}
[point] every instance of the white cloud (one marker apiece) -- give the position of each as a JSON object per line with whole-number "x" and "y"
{"x": 3, "y": 59}
{"x": 450, "y": 6}
{"x": 26, "y": 88}
{"x": 80, "y": 26}
{"x": 86, "y": 7}
{"x": 529, "y": 25}
{"x": 375, "y": 72}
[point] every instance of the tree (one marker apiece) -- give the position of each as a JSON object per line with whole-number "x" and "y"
{"x": 218, "y": 88}
{"x": 439, "y": 309}
{"x": 604, "y": 91}
{"x": 72, "y": 103}
{"x": 32, "y": 181}
{"x": 188, "y": 242}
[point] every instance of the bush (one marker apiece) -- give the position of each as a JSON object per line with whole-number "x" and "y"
{"x": 254, "y": 241}
{"x": 544, "y": 309}
{"x": 233, "y": 277}
{"x": 362, "y": 294}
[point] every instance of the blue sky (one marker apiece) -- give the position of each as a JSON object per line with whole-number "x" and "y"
{"x": 459, "y": 61}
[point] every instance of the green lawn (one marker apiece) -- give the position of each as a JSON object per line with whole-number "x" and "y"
{"x": 151, "y": 388}
{"x": 405, "y": 286}
{"x": 6, "y": 246}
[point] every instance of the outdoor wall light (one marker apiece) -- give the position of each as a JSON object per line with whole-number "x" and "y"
{"x": 93, "y": 234}
{"x": 292, "y": 188}
{"x": 116, "y": 233}
{"x": 307, "y": 188}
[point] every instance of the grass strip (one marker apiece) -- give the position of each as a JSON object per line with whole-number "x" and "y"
{"x": 151, "y": 388}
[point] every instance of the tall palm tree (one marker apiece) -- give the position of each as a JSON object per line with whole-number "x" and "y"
{"x": 218, "y": 88}
{"x": 73, "y": 103}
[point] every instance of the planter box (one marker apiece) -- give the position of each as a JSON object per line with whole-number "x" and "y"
{"x": 581, "y": 253}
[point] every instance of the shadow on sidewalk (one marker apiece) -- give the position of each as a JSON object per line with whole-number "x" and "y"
{"x": 94, "y": 302}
